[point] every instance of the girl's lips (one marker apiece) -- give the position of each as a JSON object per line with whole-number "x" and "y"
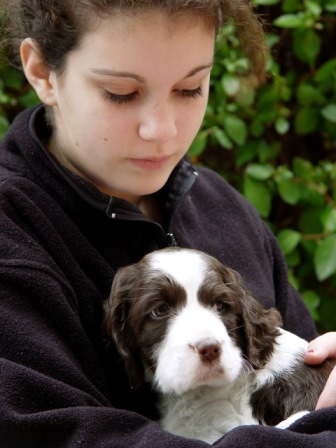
{"x": 151, "y": 164}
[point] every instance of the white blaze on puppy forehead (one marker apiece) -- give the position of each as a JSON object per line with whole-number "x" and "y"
{"x": 192, "y": 324}
{"x": 188, "y": 268}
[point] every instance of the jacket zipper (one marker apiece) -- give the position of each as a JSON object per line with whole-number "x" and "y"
{"x": 169, "y": 237}
{"x": 171, "y": 240}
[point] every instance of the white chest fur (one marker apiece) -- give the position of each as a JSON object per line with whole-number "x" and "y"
{"x": 206, "y": 412}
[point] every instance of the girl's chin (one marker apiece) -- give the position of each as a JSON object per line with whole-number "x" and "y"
{"x": 142, "y": 186}
{"x": 135, "y": 196}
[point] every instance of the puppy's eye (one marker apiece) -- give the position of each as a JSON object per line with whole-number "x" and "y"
{"x": 160, "y": 312}
{"x": 220, "y": 306}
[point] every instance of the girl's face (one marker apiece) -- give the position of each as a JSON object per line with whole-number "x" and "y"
{"x": 131, "y": 101}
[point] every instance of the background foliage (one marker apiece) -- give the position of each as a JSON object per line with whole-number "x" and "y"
{"x": 276, "y": 143}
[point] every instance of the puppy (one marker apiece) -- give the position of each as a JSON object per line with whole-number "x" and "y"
{"x": 218, "y": 359}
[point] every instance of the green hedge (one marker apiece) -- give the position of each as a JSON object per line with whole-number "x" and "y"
{"x": 276, "y": 143}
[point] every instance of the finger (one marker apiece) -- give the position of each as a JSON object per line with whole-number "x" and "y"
{"x": 321, "y": 348}
{"x": 328, "y": 396}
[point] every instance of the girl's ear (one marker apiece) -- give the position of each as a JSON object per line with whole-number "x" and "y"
{"x": 38, "y": 75}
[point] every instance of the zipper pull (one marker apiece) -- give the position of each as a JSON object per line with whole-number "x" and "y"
{"x": 171, "y": 240}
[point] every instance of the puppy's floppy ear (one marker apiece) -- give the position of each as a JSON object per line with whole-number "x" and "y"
{"x": 117, "y": 325}
{"x": 261, "y": 330}
{"x": 260, "y": 326}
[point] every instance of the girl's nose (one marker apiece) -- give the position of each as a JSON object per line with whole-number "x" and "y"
{"x": 158, "y": 124}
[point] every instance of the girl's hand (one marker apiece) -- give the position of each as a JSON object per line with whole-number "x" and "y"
{"x": 318, "y": 350}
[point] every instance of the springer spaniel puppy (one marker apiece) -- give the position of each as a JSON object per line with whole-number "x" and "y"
{"x": 218, "y": 359}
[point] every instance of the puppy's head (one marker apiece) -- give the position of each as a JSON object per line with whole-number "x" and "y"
{"x": 187, "y": 320}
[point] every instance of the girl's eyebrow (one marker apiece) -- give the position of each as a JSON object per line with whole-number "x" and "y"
{"x": 120, "y": 74}
{"x": 199, "y": 69}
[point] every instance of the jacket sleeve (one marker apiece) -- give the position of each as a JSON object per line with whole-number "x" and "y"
{"x": 315, "y": 430}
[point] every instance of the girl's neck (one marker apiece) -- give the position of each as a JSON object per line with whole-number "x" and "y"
{"x": 152, "y": 208}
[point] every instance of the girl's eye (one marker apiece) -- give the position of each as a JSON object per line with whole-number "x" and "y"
{"x": 120, "y": 99}
{"x": 128, "y": 98}
{"x": 195, "y": 93}
{"x": 160, "y": 312}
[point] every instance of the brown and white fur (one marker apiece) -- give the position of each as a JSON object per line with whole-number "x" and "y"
{"x": 218, "y": 359}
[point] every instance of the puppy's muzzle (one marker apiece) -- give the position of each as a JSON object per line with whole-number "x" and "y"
{"x": 208, "y": 349}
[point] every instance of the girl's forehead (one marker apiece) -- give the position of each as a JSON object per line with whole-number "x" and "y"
{"x": 148, "y": 36}
{"x": 151, "y": 20}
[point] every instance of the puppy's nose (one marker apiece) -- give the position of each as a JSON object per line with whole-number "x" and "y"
{"x": 208, "y": 349}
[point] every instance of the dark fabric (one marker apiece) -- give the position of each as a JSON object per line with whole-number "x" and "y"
{"x": 61, "y": 242}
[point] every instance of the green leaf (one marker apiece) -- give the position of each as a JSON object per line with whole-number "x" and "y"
{"x": 236, "y": 129}
{"x": 12, "y": 78}
{"x": 266, "y": 2}
{"x": 312, "y": 300}
{"x": 312, "y": 196}
{"x": 257, "y": 126}
{"x": 198, "y": 145}
{"x": 327, "y": 310}
{"x": 303, "y": 168}
{"x": 328, "y": 219}
{"x": 329, "y": 112}
{"x": 245, "y": 96}
{"x": 307, "y": 94}
{"x": 290, "y": 191}
{"x": 309, "y": 221}
{"x": 268, "y": 152}
{"x": 291, "y": 5}
{"x": 244, "y": 154}
{"x": 307, "y": 120}
{"x": 29, "y": 99}
{"x": 4, "y": 124}
{"x": 230, "y": 84}
{"x": 326, "y": 71}
{"x": 289, "y": 21}
{"x": 222, "y": 138}
{"x": 282, "y": 125}
{"x": 313, "y": 7}
{"x": 307, "y": 45}
{"x": 293, "y": 258}
{"x": 330, "y": 5}
{"x": 259, "y": 172}
{"x": 288, "y": 240}
{"x": 257, "y": 193}
{"x": 325, "y": 258}
{"x": 269, "y": 96}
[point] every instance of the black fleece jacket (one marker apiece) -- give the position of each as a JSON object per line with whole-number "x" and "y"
{"x": 61, "y": 242}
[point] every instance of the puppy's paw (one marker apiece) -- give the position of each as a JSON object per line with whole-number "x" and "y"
{"x": 290, "y": 420}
